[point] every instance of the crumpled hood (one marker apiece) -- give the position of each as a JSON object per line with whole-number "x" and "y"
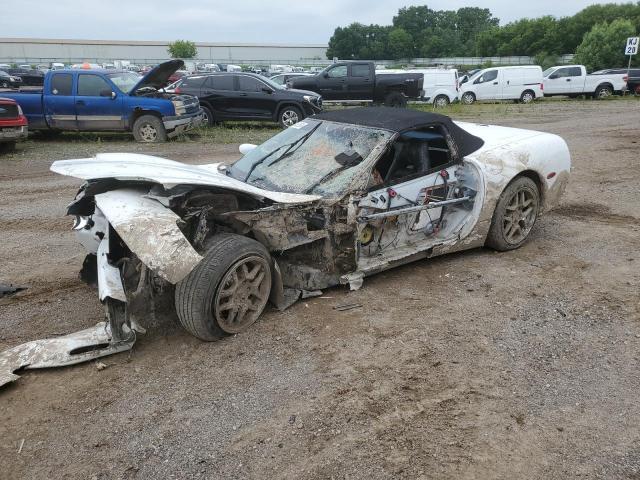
{"x": 169, "y": 173}
{"x": 158, "y": 76}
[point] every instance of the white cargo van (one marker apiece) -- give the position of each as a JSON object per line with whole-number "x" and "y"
{"x": 522, "y": 83}
{"x": 440, "y": 86}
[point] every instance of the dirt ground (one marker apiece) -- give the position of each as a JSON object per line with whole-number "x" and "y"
{"x": 470, "y": 366}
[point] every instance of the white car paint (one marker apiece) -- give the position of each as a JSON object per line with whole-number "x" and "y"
{"x": 573, "y": 80}
{"x": 504, "y": 83}
{"x": 437, "y": 82}
{"x": 135, "y": 166}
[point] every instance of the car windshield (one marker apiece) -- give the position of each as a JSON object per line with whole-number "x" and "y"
{"x": 125, "y": 81}
{"x": 547, "y": 72}
{"x": 311, "y": 156}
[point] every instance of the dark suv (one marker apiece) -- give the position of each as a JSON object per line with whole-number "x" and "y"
{"x": 246, "y": 96}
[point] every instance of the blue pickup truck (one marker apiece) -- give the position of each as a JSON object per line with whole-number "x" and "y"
{"x": 111, "y": 100}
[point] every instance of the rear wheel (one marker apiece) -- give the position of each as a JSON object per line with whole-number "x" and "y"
{"x": 149, "y": 129}
{"x": 527, "y": 96}
{"x": 395, "y": 99}
{"x": 515, "y": 215}
{"x": 227, "y": 291}
{"x": 289, "y": 115}
{"x": 5, "y": 84}
{"x": 441, "y": 101}
{"x": 603, "y": 91}
{"x": 468, "y": 98}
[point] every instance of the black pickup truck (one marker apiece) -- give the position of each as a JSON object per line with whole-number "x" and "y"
{"x": 357, "y": 81}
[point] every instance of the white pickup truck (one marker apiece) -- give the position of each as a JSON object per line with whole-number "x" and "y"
{"x": 573, "y": 81}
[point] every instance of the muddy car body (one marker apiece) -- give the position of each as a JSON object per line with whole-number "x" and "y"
{"x": 328, "y": 201}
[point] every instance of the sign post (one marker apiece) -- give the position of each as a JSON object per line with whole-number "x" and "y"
{"x": 631, "y": 49}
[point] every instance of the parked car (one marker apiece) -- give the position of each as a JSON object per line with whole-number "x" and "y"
{"x": 357, "y": 81}
{"x": 283, "y": 78}
{"x": 33, "y": 78}
{"x": 522, "y": 83}
{"x": 247, "y": 96}
{"x": 573, "y": 81}
{"x": 13, "y": 124}
{"x": 108, "y": 100}
{"x": 343, "y": 196}
{"x": 9, "y": 81}
{"x": 439, "y": 86}
{"x": 631, "y": 77}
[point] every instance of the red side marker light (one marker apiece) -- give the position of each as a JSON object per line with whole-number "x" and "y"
{"x": 551, "y": 175}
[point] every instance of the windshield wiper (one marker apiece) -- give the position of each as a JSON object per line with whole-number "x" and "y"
{"x": 289, "y": 147}
{"x": 298, "y": 142}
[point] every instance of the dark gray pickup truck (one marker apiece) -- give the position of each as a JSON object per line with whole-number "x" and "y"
{"x": 357, "y": 81}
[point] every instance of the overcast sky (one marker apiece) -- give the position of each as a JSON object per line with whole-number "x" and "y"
{"x": 251, "y": 21}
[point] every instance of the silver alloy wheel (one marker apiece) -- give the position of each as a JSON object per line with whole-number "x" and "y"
{"x": 289, "y": 117}
{"x": 441, "y": 101}
{"x": 527, "y": 97}
{"x": 604, "y": 92}
{"x": 148, "y": 133}
{"x": 519, "y": 216}
{"x": 243, "y": 294}
{"x": 5, "y": 85}
{"x": 205, "y": 117}
{"x": 468, "y": 98}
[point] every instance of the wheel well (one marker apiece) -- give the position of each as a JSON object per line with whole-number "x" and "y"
{"x": 535, "y": 177}
{"x": 288, "y": 104}
{"x": 605, "y": 84}
{"x": 528, "y": 90}
{"x": 138, "y": 112}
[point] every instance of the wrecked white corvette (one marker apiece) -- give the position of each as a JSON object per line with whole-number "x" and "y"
{"x": 329, "y": 201}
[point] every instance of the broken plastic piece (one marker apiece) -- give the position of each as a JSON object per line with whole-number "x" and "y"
{"x": 82, "y": 346}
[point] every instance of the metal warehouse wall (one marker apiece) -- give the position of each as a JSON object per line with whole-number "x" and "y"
{"x": 37, "y": 49}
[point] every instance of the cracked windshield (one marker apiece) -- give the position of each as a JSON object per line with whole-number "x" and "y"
{"x": 309, "y": 157}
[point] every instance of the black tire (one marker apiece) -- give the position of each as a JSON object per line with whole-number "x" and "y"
{"x": 198, "y": 295}
{"x": 149, "y": 129}
{"x": 603, "y": 91}
{"x": 5, "y": 84}
{"x": 208, "y": 116}
{"x": 7, "y": 147}
{"x": 501, "y": 225}
{"x": 528, "y": 96}
{"x": 395, "y": 99}
{"x": 441, "y": 101}
{"x": 468, "y": 98}
{"x": 289, "y": 115}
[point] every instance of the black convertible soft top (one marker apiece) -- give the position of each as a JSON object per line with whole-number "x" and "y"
{"x": 400, "y": 120}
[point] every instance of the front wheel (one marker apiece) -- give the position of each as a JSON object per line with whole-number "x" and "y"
{"x": 5, "y": 84}
{"x": 289, "y": 115}
{"x": 527, "y": 96}
{"x": 227, "y": 291}
{"x": 468, "y": 98}
{"x": 515, "y": 215}
{"x": 441, "y": 101}
{"x": 149, "y": 129}
{"x": 207, "y": 116}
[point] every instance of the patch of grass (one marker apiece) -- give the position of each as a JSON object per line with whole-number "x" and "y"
{"x": 233, "y": 132}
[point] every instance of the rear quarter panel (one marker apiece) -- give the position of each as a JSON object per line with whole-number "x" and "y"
{"x": 31, "y": 104}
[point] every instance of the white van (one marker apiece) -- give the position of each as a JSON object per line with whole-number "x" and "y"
{"x": 522, "y": 83}
{"x": 440, "y": 86}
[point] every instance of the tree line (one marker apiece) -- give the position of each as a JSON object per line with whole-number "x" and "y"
{"x": 420, "y": 32}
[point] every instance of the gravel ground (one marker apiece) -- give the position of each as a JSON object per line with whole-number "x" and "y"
{"x": 473, "y": 365}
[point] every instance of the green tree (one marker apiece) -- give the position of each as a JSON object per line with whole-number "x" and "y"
{"x": 400, "y": 44}
{"x": 182, "y": 49}
{"x": 603, "y": 46}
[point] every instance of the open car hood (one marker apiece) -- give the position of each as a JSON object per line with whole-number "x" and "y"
{"x": 147, "y": 168}
{"x": 158, "y": 76}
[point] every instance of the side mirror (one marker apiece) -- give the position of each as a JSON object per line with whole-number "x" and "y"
{"x": 246, "y": 148}
{"x": 107, "y": 93}
{"x": 325, "y": 74}
{"x": 553, "y": 76}
{"x": 266, "y": 90}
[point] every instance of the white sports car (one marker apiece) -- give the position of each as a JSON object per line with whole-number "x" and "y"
{"x": 328, "y": 201}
